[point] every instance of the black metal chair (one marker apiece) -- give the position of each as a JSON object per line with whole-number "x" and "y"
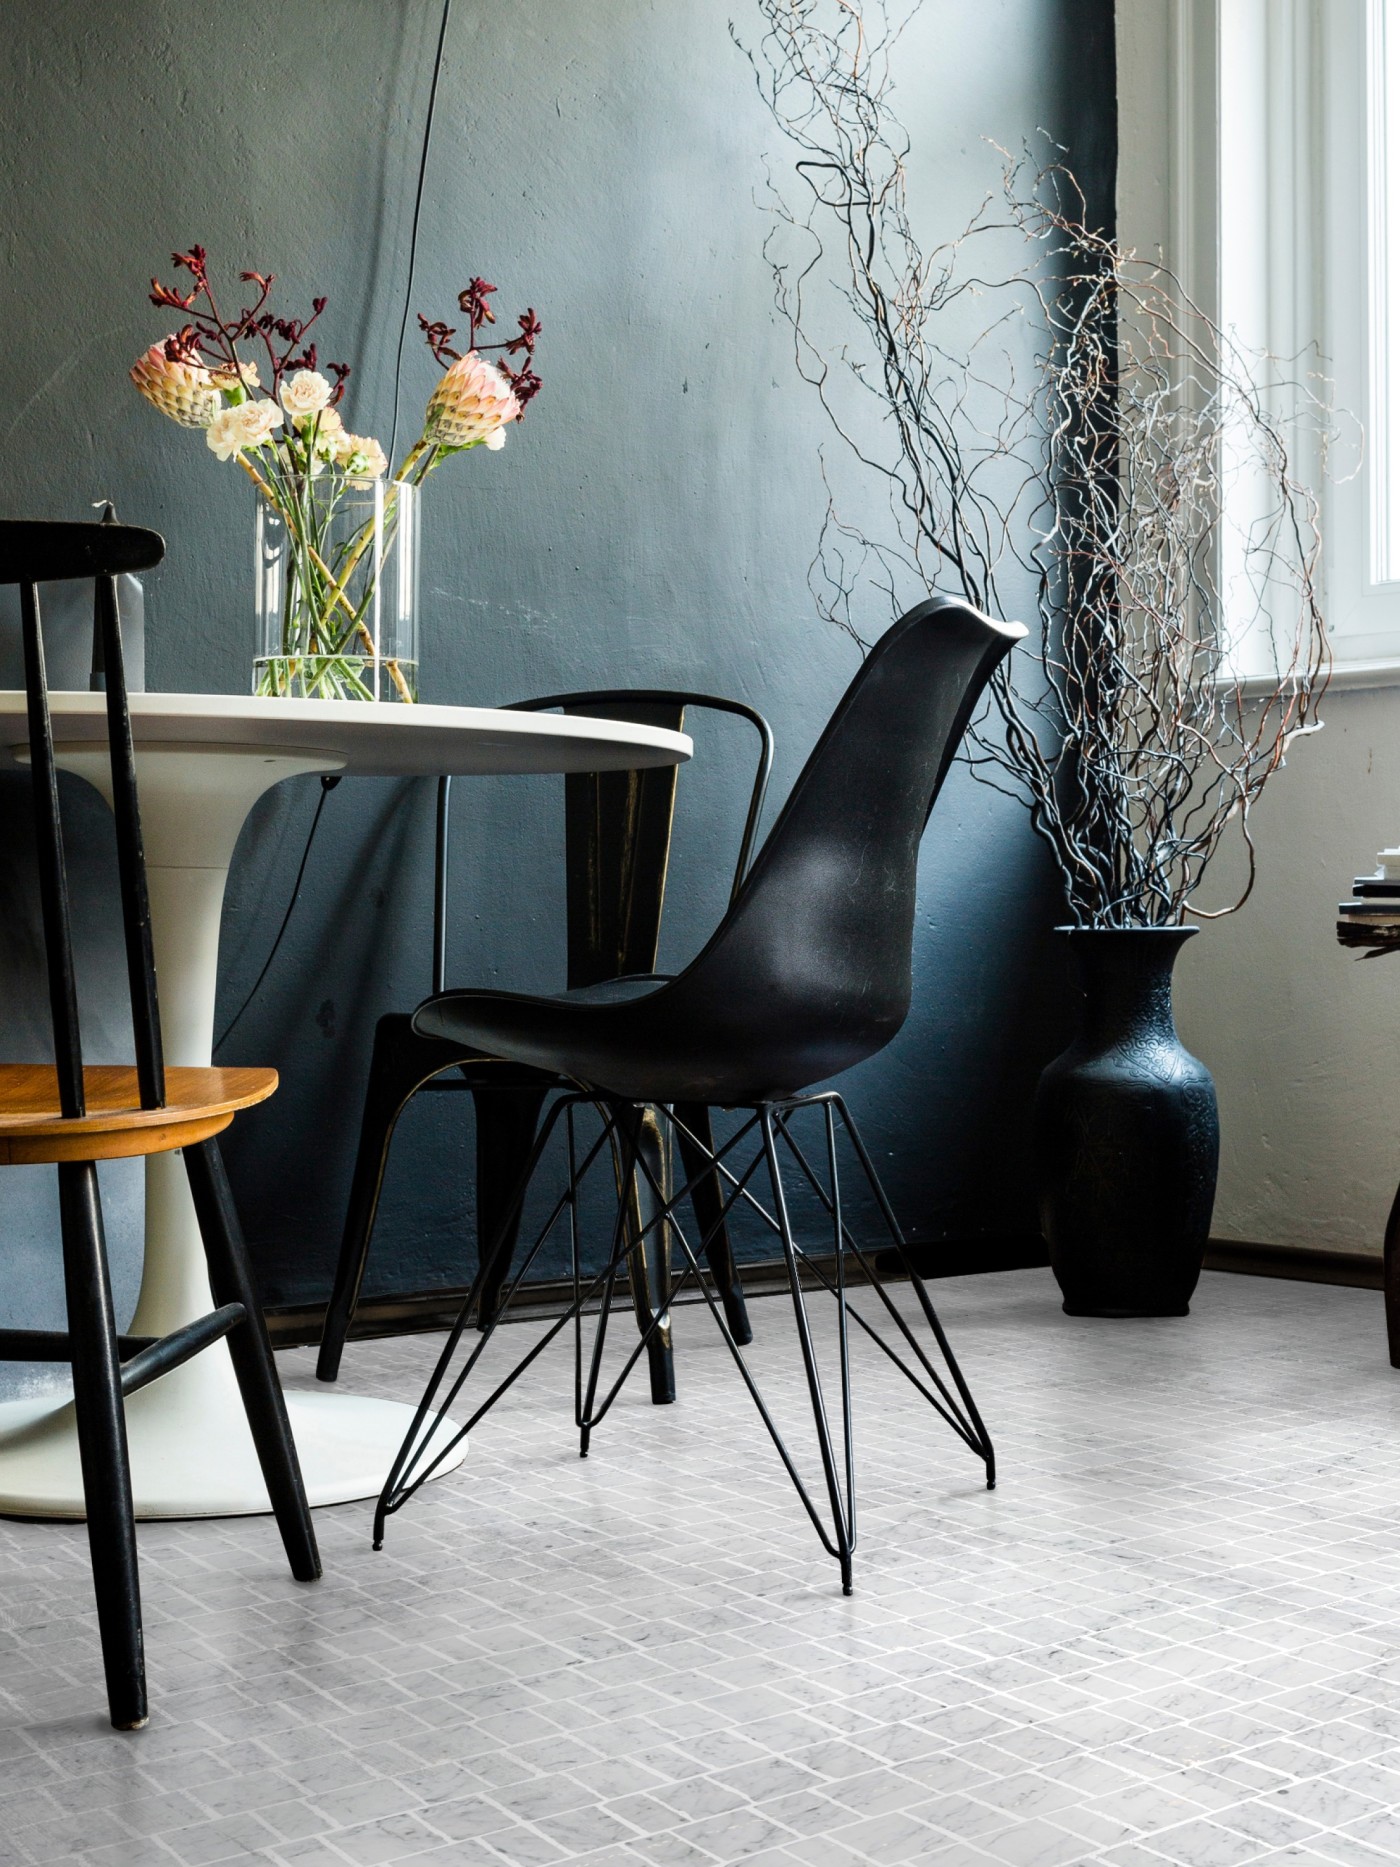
{"x": 617, "y": 845}
{"x": 74, "y": 1116}
{"x": 809, "y": 972}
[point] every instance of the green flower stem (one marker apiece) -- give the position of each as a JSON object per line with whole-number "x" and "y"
{"x": 416, "y": 453}
{"x": 283, "y": 508}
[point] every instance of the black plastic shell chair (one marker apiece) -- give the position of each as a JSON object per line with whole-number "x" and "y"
{"x": 617, "y": 848}
{"x": 809, "y": 973}
{"x": 73, "y": 1116}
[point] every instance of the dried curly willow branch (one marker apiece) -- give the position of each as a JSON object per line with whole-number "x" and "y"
{"x": 1134, "y": 480}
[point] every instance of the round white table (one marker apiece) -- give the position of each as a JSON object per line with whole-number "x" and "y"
{"x": 203, "y": 760}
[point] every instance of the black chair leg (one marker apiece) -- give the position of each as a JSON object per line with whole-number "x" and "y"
{"x": 978, "y": 1437}
{"x": 506, "y": 1123}
{"x": 400, "y": 1064}
{"x": 232, "y": 1281}
{"x": 102, "y": 1444}
{"x": 697, "y": 1145}
{"x": 645, "y": 1191}
{"x": 842, "y": 1508}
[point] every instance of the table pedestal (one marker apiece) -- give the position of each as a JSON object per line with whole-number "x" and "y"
{"x": 191, "y": 1452}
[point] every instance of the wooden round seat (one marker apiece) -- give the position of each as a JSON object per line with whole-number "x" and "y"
{"x": 198, "y": 1103}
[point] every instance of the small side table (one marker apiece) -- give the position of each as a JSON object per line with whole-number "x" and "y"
{"x": 1377, "y": 934}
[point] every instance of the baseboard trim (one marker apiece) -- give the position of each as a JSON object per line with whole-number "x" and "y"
{"x": 1359, "y": 1270}
{"x": 295, "y": 1325}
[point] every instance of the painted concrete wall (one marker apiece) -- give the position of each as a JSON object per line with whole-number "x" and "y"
{"x": 653, "y": 521}
{"x": 1300, "y": 1033}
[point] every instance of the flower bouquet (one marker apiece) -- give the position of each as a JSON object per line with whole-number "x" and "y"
{"x": 337, "y": 533}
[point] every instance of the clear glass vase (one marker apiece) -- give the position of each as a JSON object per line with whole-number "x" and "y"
{"x": 337, "y": 592}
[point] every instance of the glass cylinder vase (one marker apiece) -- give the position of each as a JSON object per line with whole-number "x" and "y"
{"x": 337, "y": 591}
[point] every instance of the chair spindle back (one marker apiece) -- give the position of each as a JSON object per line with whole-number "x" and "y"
{"x": 33, "y": 552}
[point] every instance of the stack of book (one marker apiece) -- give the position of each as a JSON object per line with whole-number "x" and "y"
{"x": 1372, "y": 918}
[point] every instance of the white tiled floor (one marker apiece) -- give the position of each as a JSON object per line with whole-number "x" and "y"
{"x": 1172, "y": 1633}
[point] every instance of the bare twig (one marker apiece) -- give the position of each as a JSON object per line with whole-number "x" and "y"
{"x": 1135, "y": 482}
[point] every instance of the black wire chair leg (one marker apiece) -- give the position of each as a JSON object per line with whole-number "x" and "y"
{"x": 644, "y": 1194}
{"x": 697, "y": 1146}
{"x": 842, "y": 1322}
{"x": 400, "y": 1064}
{"x": 506, "y": 1124}
{"x": 627, "y": 1164}
{"x": 231, "y": 1279}
{"x": 987, "y": 1450}
{"x": 843, "y": 1544}
{"x": 934, "y": 1389}
{"x": 667, "y": 1211}
{"x": 842, "y": 1508}
{"x": 401, "y": 1483}
{"x": 102, "y": 1444}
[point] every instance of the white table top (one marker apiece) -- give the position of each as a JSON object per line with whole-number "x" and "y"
{"x": 366, "y": 740}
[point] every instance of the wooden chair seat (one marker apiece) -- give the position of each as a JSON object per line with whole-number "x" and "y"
{"x": 198, "y": 1103}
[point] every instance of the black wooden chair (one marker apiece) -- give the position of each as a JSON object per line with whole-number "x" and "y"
{"x": 809, "y": 972}
{"x": 74, "y": 1116}
{"x": 617, "y": 845}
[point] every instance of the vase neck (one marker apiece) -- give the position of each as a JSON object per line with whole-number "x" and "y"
{"x": 1126, "y": 978}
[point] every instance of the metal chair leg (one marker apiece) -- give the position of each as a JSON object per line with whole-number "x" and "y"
{"x": 981, "y": 1439}
{"x": 697, "y": 1145}
{"x": 842, "y": 1509}
{"x": 232, "y": 1282}
{"x": 102, "y": 1444}
{"x": 506, "y": 1123}
{"x": 624, "y": 1129}
{"x": 644, "y": 1191}
{"x": 400, "y": 1064}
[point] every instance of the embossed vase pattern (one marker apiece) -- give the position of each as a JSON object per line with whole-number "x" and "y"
{"x": 1127, "y": 1135}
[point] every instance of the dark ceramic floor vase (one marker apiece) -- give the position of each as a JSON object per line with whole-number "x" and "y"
{"x": 1127, "y": 1135}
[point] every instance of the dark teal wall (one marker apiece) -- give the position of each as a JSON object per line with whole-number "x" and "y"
{"x": 653, "y": 521}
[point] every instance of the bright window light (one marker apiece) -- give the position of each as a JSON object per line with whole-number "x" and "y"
{"x": 1383, "y": 240}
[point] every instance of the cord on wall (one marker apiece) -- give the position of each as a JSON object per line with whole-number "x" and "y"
{"x": 417, "y": 213}
{"x": 329, "y": 784}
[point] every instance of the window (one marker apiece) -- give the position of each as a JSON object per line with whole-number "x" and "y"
{"x": 1265, "y": 166}
{"x": 1383, "y": 238}
{"x": 1356, "y": 135}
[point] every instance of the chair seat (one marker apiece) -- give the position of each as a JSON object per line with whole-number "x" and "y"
{"x": 563, "y": 1037}
{"x": 653, "y": 1038}
{"x": 199, "y": 1103}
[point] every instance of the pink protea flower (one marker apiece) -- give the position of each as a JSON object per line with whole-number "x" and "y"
{"x": 183, "y": 391}
{"x": 471, "y": 405}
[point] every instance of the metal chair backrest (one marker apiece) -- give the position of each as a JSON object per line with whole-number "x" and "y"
{"x": 618, "y": 836}
{"x": 34, "y": 552}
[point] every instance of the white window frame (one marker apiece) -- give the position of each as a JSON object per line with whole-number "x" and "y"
{"x": 1266, "y": 226}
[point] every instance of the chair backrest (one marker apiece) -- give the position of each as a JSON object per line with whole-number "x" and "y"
{"x": 618, "y": 835}
{"x": 812, "y": 965}
{"x": 34, "y": 552}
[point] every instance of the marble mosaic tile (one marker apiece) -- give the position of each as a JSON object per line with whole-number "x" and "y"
{"x": 1169, "y": 1636}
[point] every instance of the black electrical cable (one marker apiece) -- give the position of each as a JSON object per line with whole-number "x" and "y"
{"x": 329, "y": 784}
{"x": 417, "y": 211}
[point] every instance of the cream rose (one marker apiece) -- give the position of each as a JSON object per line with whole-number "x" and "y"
{"x": 328, "y": 429}
{"x": 247, "y": 425}
{"x": 360, "y": 457}
{"x": 305, "y": 393}
{"x": 223, "y": 376}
